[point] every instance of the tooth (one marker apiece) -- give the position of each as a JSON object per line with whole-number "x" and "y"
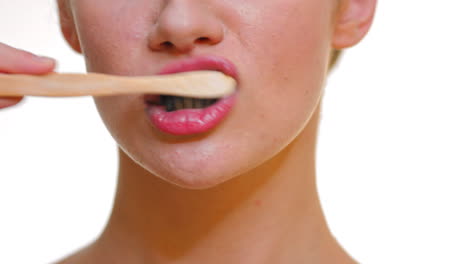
{"x": 198, "y": 103}
{"x": 188, "y": 102}
{"x": 169, "y": 102}
{"x": 179, "y": 103}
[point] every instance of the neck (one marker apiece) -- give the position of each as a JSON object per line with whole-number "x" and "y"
{"x": 269, "y": 215}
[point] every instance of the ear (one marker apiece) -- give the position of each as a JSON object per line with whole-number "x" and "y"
{"x": 67, "y": 25}
{"x": 353, "y": 20}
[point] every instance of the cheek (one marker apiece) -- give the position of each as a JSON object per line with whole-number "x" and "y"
{"x": 288, "y": 53}
{"x": 112, "y": 32}
{"x": 122, "y": 115}
{"x": 280, "y": 50}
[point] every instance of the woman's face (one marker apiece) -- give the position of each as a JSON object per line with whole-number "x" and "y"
{"x": 280, "y": 50}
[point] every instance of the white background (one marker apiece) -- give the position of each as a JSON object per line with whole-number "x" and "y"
{"x": 392, "y": 155}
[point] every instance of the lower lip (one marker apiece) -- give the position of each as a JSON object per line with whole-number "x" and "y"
{"x": 190, "y": 121}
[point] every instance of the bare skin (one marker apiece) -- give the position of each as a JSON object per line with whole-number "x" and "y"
{"x": 245, "y": 192}
{"x": 270, "y": 215}
{"x": 16, "y": 61}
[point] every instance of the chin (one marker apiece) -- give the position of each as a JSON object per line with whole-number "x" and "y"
{"x": 200, "y": 180}
{"x": 189, "y": 172}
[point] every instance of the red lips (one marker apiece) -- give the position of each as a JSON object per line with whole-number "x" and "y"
{"x": 202, "y": 63}
{"x": 192, "y": 121}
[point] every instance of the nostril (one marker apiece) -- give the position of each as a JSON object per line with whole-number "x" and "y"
{"x": 167, "y": 44}
{"x": 202, "y": 40}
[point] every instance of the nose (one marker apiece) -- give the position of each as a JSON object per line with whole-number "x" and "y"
{"x": 184, "y": 24}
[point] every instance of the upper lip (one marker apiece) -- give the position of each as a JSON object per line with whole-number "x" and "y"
{"x": 211, "y": 62}
{"x": 199, "y": 63}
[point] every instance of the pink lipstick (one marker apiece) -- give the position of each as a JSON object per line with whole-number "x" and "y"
{"x": 192, "y": 120}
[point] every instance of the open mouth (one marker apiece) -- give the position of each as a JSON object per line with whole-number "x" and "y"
{"x": 186, "y": 115}
{"x": 174, "y": 103}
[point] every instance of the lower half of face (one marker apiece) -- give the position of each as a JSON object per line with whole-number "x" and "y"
{"x": 279, "y": 48}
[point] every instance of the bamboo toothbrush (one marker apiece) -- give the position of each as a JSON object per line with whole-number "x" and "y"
{"x": 196, "y": 84}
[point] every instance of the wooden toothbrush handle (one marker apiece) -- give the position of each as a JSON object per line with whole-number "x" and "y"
{"x": 197, "y": 84}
